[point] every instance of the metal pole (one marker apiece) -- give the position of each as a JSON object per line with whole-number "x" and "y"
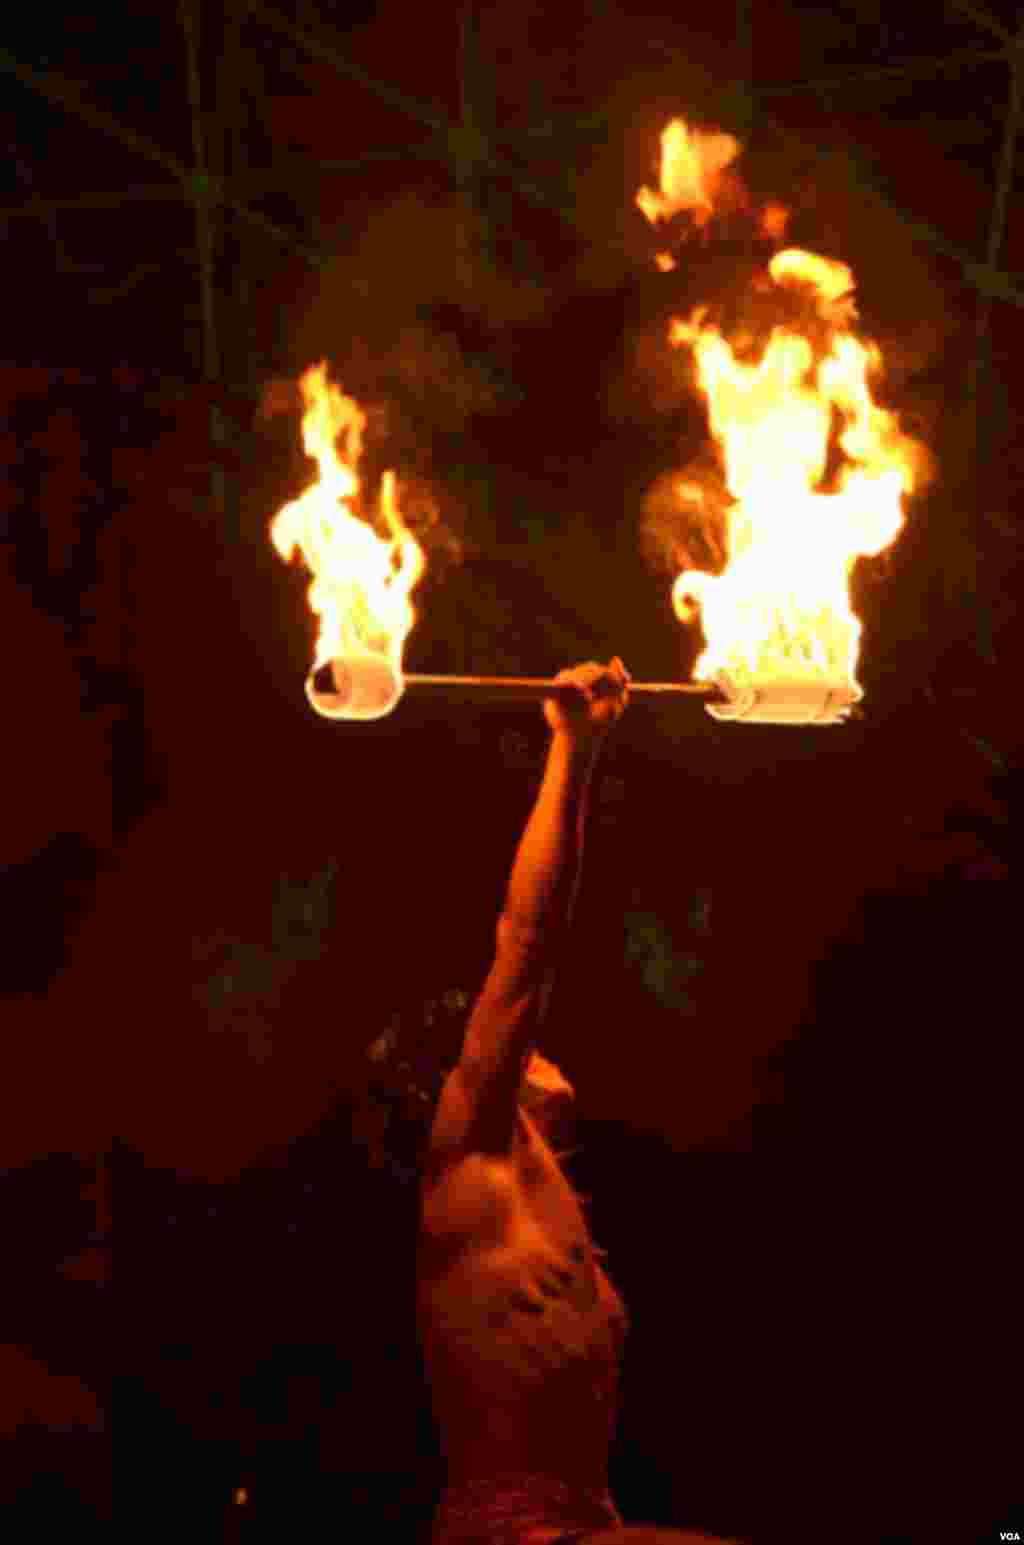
{"x": 231, "y": 112}
{"x": 202, "y": 190}
{"x": 980, "y": 366}
{"x": 745, "y": 61}
{"x": 536, "y": 688}
{"x": 467, "y": 153}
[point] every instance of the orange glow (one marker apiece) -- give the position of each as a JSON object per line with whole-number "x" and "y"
{"x": 817, "y": 472}
{"x": 774, "y": 218}
{"x": 692, "y": 163}
{"x": 362, "y": 582}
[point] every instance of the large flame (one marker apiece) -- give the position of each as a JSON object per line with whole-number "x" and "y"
{"x": 362, "y": 582}
{"x": 818, "y": 475}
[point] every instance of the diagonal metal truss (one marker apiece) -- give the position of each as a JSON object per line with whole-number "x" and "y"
{"x": 467, "y": 147}
{"x": 479, "y": 158}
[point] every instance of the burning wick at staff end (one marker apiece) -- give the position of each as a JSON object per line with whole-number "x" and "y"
{"x": 356, "y": 687}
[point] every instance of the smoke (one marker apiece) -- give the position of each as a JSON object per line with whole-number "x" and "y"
{"x": 684, "y": 517}
{"x": 279, "y": 396}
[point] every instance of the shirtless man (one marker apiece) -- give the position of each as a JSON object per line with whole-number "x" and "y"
{"x": 521, "y": 1329}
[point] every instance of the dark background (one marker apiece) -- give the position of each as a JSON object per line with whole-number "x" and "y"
{"x": 791, "y": 1004}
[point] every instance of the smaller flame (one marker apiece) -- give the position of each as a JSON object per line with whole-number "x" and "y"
{"x": 692, "y": 163}
{"x": 362, "y": 582}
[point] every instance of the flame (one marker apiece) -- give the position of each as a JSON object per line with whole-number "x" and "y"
{"x": 362, "y": 582}
{"x": 817, "y": 471}
{"x": 692, "y": 163}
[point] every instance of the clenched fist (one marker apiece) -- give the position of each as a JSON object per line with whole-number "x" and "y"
{"x": 600, "y": 701}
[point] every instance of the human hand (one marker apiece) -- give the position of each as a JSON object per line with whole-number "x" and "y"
{"x": 599, "y": 702}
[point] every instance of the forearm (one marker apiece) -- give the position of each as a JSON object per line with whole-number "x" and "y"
{"x": 546, "y": 872}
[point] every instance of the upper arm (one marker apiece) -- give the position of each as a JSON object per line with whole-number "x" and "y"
{"x": 479, "y": 1114}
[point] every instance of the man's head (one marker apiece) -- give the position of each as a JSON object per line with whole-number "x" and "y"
{"x": 406, "y": 1068}
{"x": 547, "y": 1096}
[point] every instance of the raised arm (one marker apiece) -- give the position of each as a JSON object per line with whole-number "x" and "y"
{"x": 534, "y": 921}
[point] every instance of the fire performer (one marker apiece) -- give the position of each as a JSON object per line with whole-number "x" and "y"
{"x": 521, "y": 1329}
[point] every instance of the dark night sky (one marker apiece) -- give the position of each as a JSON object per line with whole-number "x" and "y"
{"x": 788, "y": 1008}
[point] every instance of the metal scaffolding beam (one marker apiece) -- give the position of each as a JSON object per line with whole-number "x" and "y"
{"x": 446, "y": 147}
{"x": 203, "y": 194}
{"x": 979, "y": 374}
{"x": 903, "y": 69}
{"x": 982, "y": 19}
{"x": 64, "y": 93}
{"x": 985, "y": 279}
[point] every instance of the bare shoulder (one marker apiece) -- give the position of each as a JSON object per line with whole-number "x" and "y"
{"x": 468, "y": 1198}
{"x": 471, "y": 1202}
